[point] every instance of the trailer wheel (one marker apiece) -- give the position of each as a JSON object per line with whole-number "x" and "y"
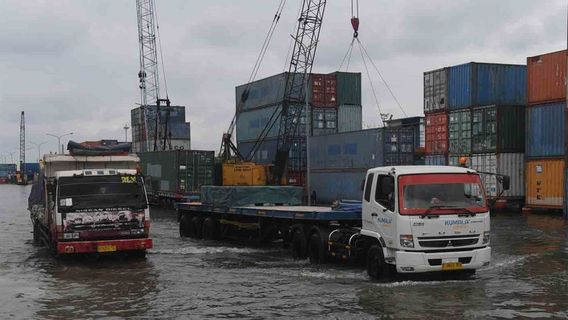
{"x": 317, "y": 249}
{"x": 195, "y": 227}
{"x": 298, "y": 244}
{"x": 184, "y": 226}
{"x": 210, "y": 229}
{"x": 376, "y": 267}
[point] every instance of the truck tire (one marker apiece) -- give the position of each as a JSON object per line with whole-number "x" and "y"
{"x": 137, "y": 254}
{"x": 210, "y": 229}
{"x": 317, "y": 250}
{"x": 298, "y": 244}
{"x": 184, "y": 226}
{"x": 376, "y": 266}
{"x": 195, "y": 227}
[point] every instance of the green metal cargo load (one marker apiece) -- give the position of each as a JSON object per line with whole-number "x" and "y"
{"x": 498, "y": 129}
{"x": 348, "y": 88}
{"x": 177, "y": 174}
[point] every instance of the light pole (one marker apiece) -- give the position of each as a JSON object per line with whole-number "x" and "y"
{"x": 59, "y": 139}
{"x": 38, "y": 145}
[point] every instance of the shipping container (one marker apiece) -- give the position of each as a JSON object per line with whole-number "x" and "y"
{"x": 173, "y": 117}
{"x": 547, "y": 77}
{"x": 437, "y": 133}
{"x": 435, "y": 160}
{"x": 509, "y": 164}
{"x": 330, "y": 91}
{"x": 349, "y": 118}
{"x": 416, "y": 123}
{"x": 399, "y": 146}
{"x": 348, "y": 88}
{"x": 459, "y": 127}
{"x": 478, "y": 84}
{"x": 265, "y": 154}
{"x": 263, "y": 92}
{"x": 7, "y": 169}
{"x": 251, "y": 123}
{"x": 498, "y": 129}
{"x": 334, "y": 185}
{"x": 349, "y": 150}
{"x": 545, "y": 130}
{"x": 545, "y": 183}
{"x": 177, "y": 171}
{"x": 435, "y": 90}
{"x": 324, "y": 90}
{"x": 324, "y": 121}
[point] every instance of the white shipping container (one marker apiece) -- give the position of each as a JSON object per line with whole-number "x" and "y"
{"x": 510, "y": 164}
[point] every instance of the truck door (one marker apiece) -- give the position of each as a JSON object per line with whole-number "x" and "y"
{"x": 384, "y": 207}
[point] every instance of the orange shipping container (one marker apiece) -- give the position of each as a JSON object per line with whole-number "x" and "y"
{"x": 546, "y": 77}
{"x": 544, "y": 183}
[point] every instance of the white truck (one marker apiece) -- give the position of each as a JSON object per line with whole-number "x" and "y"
{"x": 412, "y": 219}
{"x": 90, "y": 205}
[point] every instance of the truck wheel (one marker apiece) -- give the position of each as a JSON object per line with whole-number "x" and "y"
{"x": 210, "y": 229}
{"x": 298, "y": 244}
{"x": 37, "y": 234}
{"x": 317, "y": 252}
{"x": 137, "y": 254}
{"x": 195, "y": 227}
{"x": 376, "y": 267}
{"x": 184, "y": 226}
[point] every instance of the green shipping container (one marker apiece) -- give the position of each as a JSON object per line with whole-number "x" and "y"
{"x": 498, "y": 129}
{"x": 459, "y": 127}
{"x": 348, "y": 88}
{"x": 177, "y": 171}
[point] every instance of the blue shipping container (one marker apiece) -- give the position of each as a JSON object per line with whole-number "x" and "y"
{"x": 337, "y": 185}
{"x": 266, "y": 151}
{"x": 348, "y": 150}
{"x": 399, "y": 146}
{"x": 7, "y": 169}
{"x": 545, "y": 130}
{"x": 476, "y": 84}
{"x": 436, "y": 160}
{"x": 264, "y": 92}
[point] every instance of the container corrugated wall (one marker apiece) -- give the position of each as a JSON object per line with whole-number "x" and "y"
{"x": 399, "y": 146}
{"x": 437, "y": 133}
{"x": 337, "y": 185}
{"x": 477, "y": 84}
{"x": 349, "y": 118}
{"x": 435, "y": 90}
{"x": 348, "y": 88}
{"x": 547, "y": 77}
{"x": 545, "y": 183}
{"x": 435, "y": 160}
{"x": 350, "y": 150}
{"x": 510, "y": 164}
{"x": 459, "y": 127}
{"x": 266, "y": 152}
{"x": 498, "y": 129}
{"x": 251, "y": 123}
{"x": 545, "y": 130}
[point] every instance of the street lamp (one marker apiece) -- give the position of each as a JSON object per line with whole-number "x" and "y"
{"x": 38, "y": 145}
{"x": 59, "y": 139}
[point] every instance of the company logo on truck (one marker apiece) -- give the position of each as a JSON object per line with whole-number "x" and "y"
{"x": 383, "y": 220}
{"x": 455, "y": 222}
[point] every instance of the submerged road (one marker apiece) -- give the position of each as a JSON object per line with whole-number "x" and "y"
{"x": 183, "y": 278}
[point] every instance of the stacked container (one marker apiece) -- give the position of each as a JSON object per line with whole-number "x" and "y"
{"x": 335, "y": 104}
{"x": 545, "y": 130}
{"x": 175, "y": 115}
{"x": 481, "y": 118}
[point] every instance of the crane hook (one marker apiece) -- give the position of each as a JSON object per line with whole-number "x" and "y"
{"x": 355, "y": 25}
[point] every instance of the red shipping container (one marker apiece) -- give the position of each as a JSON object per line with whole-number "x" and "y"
{"x": 318, "y": 90}
{"x": 330, "y": 90}
{"x": 546, "y": 75}
{"x": 437, "y": 133}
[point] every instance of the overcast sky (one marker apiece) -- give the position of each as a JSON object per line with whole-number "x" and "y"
{"x": 72, "y": 65}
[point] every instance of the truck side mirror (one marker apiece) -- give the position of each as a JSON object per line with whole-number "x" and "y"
{"x": 506, "y": 182}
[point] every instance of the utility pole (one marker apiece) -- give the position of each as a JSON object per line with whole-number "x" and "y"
{"x": 126, "y": 127}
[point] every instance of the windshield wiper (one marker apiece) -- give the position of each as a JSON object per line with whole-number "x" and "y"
{"x": 430, "y": 208}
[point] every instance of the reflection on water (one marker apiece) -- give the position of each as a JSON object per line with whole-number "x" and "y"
{"x": 183, "y": 278}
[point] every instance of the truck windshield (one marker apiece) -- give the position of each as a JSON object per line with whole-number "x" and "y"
{"x": 101, "y": 192}
{"x": 441, "y": 193}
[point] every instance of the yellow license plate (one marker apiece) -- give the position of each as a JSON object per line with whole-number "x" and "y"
{"x": 452, "y": 266}
{"x": 106, "y": 248}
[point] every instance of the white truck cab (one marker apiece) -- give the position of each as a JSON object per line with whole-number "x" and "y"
{"x": 425, "y": 218}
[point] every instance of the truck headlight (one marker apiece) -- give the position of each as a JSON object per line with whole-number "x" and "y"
{"x": 485, "y": 237}
{"x": 406, "y": 240}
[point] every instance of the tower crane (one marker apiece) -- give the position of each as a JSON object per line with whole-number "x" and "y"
{"x": 154, "y": 131}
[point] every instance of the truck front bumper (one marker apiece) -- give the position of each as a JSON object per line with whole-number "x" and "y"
{"x": 412, "y": 262}
{"x": 104, "y": 246}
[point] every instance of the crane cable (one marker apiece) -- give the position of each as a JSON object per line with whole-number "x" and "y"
{"x": 161, "y": 51}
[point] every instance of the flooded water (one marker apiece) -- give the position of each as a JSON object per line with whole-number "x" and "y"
{"x": 183, "y": 278}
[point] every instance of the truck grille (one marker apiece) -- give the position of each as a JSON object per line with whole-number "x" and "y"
{"x": 449, "y": 241}
{"x": 106, "y": 226}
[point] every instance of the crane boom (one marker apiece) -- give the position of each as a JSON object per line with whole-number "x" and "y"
{"x": 22, "y": 149}
{"x": 300, "y": 68}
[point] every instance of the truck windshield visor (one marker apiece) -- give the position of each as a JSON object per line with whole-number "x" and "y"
{"x": 101, "y": 192}
{"x": 441, "y": 194}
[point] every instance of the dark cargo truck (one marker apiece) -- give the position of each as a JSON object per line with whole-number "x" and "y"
{"x": 176, "y": 175}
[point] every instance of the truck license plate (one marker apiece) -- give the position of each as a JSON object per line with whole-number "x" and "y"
{"x": 452, "y": 266}
{"x": 106, "y": 248}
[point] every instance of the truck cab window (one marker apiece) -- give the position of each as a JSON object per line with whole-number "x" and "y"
{"x": 368, "y": 186}
{"x": 385, "y": 194}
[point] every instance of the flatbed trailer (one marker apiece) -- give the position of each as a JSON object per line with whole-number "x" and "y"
{"x": 303, "y": 229}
